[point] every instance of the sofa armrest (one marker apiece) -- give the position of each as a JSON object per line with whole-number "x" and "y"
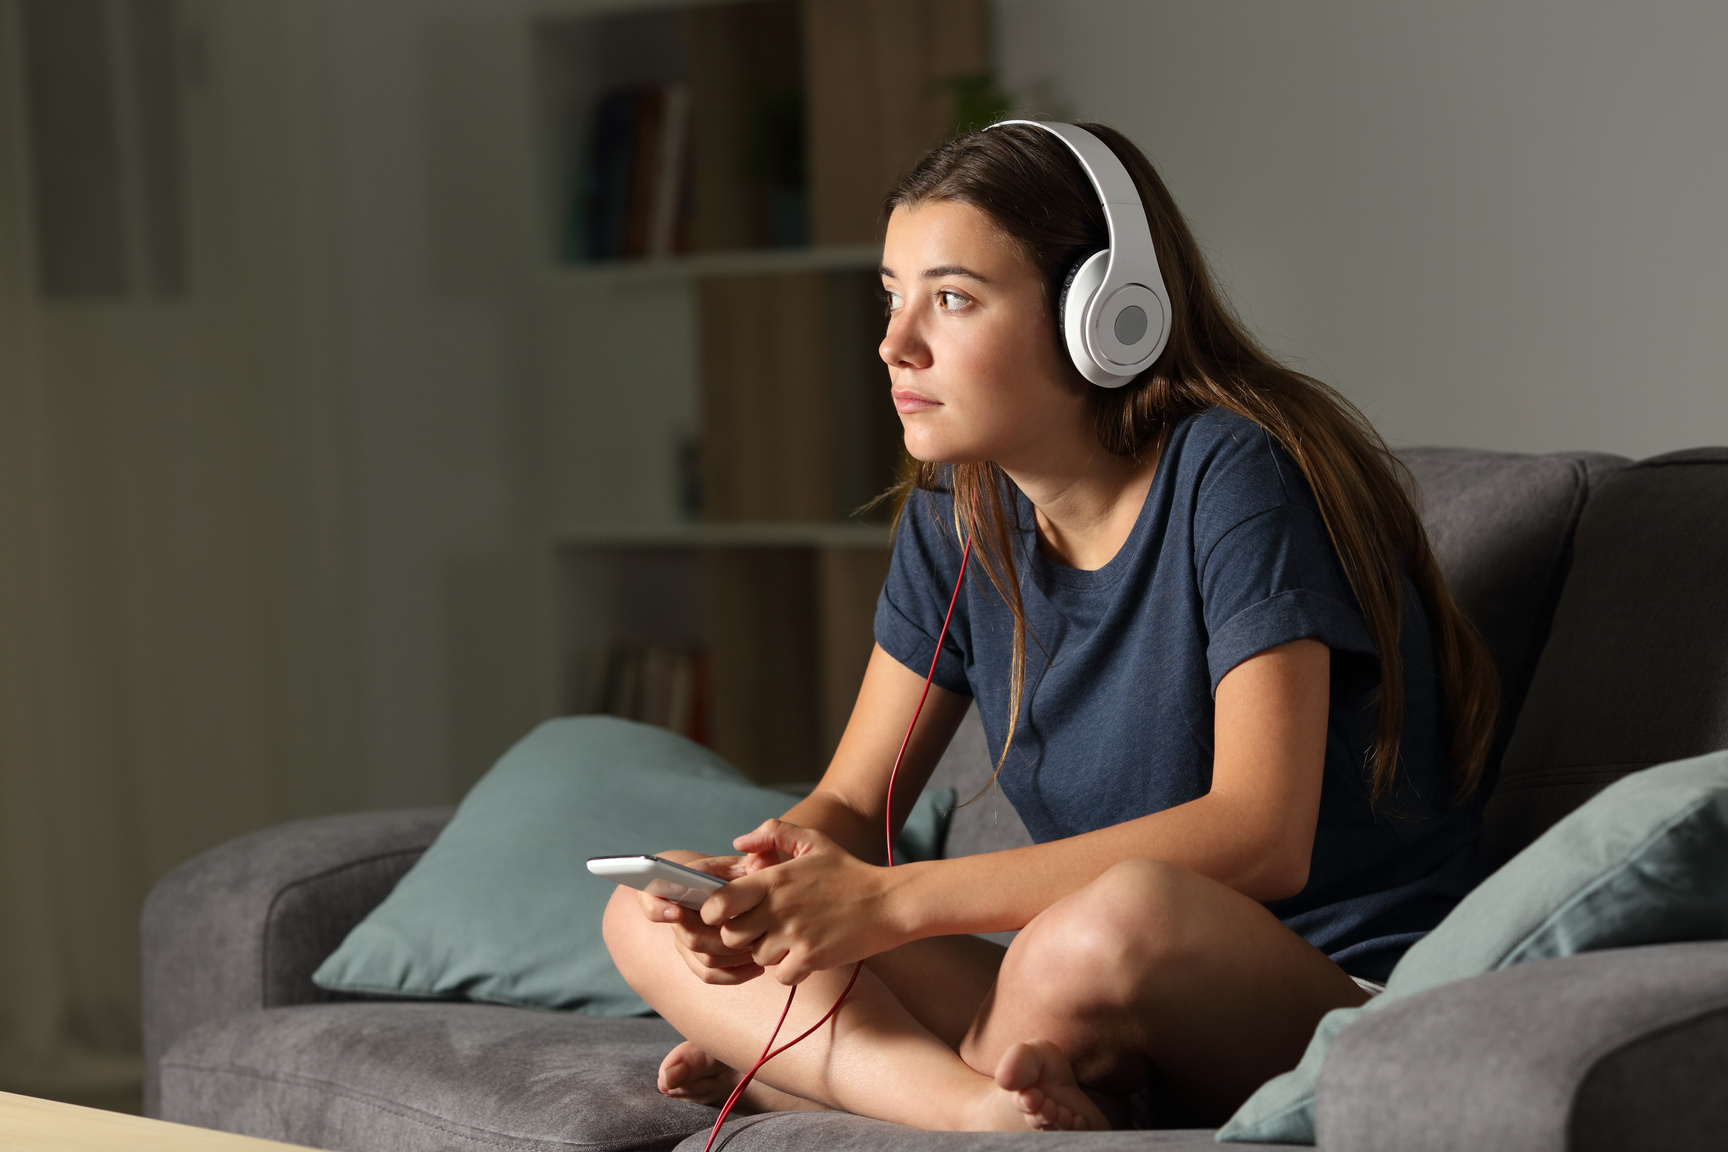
{"x": 1615, "y": 1049}
{"x": 242, "y": 926}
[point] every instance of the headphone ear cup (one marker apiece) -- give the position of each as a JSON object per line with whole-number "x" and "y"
{"x": 1078, "y": 288}
{"x": 1068, "y": 284}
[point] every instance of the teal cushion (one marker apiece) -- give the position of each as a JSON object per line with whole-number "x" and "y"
{"x": 502, "y": 909}
{"x": 1645, "y": 861}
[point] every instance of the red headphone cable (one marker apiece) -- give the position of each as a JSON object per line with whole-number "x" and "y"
{"x": 768, "y": 1050}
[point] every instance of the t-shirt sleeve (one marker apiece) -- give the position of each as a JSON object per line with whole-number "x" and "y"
{"x": 914, "y": 599}
{"x": 1272, "y": 578}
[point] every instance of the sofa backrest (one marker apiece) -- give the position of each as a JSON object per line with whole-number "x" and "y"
{"x": 989, "y": 823}
{"x": 1635, "y": 670}
{"x": 1502, "y": 527}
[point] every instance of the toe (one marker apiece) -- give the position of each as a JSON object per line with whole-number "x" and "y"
{"x": 687, "y": 1071}
{"x": 1019, "y": 1068}
{"x": 674, "y": 1069}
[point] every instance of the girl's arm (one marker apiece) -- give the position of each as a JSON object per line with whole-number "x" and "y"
{"x": 847, "y": 804}
{"x": 845, "y": 807}
{"x": 1253, "y": 831}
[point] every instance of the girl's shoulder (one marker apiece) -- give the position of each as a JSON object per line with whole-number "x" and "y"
{"x": 1225, "y": 470}
{"x": 1224, "y": 454}
{"x": 1217, "y": 437}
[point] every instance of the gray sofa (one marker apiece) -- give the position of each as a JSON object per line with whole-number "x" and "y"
{"x": 1602, "y": 587}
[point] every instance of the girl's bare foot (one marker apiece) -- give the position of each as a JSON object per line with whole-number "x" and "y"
{"x": 688, "y": 1073}
{"x": 1036, "y": 1079}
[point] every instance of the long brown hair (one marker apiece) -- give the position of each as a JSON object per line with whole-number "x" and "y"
{"x": 1032, "y": 187}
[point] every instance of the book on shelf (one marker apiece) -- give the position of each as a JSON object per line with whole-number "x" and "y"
{"x": 665, "y": 685}
{"x": 633, "y": 197}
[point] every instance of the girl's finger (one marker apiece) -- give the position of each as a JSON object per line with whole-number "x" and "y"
{"x": 738, "y": 938}
{"x": 742, "y": 931}
{"x": 756, "y": 861}
{"x": 758, "y": 839}
{"x": 658, "y": 910}
{"x": 733, "y": 900}
{"x": 700, "y": 939}
{"x": 709, "y": 943}
{"x": 742, "y": 974}
{"x": 768, "y": 953}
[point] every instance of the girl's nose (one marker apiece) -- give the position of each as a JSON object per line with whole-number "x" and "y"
{"x": 903, "y": 347}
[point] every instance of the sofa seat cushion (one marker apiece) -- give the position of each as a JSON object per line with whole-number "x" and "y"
{"x": 842, "y": 1132}
{"x": 390, "y": 1077}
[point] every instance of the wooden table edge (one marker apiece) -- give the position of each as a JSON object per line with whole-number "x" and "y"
{"x": 34, "y": 1125}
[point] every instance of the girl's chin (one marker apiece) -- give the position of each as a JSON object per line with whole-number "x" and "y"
{"x": 924, "y": 457}
{"x": 926, "y": 448}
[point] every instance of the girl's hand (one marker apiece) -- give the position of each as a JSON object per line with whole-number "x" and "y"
{"x": 713, "y": 961}
{"x": 819, "y": 907}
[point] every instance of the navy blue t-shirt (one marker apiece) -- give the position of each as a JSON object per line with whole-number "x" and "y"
{"x": 1229, "y": 557}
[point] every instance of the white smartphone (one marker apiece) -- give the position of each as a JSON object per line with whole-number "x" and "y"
{"x": 683, "y": 886}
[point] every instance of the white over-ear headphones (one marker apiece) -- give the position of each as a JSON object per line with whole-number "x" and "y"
{"x": 1114, "y": 310}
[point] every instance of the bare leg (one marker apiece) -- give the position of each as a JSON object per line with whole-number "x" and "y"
{"x": 1150, "y": 970}
{"x": 875, "y": 1058}
{"x": 940, "y": 981}
{"x": 1153, "y": 969}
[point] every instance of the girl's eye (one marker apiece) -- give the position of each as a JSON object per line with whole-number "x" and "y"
{"x": 950, "y": 301}
{"x": 890, "y": 299}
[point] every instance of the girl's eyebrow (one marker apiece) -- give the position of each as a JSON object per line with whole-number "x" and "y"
{"x": 940, "y": 270}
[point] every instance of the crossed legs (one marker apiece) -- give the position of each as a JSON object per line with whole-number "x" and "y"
{"x": 1150, "y": 971}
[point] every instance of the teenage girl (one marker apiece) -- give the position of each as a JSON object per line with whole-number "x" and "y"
{"x": 1174, "y": 627}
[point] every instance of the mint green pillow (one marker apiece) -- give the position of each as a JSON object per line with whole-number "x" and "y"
{"x": 502, "y": 909}
{"x": 1645, "y": 861}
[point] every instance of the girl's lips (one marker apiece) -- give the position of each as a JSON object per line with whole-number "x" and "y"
{"x": 905, "y": 400}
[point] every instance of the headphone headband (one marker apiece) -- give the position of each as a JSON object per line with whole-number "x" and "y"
{"x": 1115, "y": 311}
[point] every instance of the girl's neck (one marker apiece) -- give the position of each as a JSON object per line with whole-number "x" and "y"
{"x": 1086, "y": 511}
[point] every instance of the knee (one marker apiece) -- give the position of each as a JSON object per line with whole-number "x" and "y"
{"x": 1100, "y": 948}
{"x": 623, "y": 927}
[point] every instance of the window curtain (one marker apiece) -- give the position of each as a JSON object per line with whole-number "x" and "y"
{"x": 70, "y": 871}
{"x": 265, "y": 543}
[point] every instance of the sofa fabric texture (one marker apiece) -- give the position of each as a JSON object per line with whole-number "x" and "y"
{"x": 1635, "y": 670}
{"x": 377, "y": 1077}
{"x": 1501, "y": 525}
{"x": 242, "y": 926}
{"x": 984, "y": 821}
{"x": 1512, "y": 1060}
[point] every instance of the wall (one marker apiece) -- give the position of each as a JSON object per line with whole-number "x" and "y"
{"x": 1492, "y": 225}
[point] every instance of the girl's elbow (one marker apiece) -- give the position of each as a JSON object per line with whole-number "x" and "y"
{"x": 1280, "y": 875}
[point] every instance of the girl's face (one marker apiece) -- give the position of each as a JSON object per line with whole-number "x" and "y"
{"x": 971, "y": 346}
